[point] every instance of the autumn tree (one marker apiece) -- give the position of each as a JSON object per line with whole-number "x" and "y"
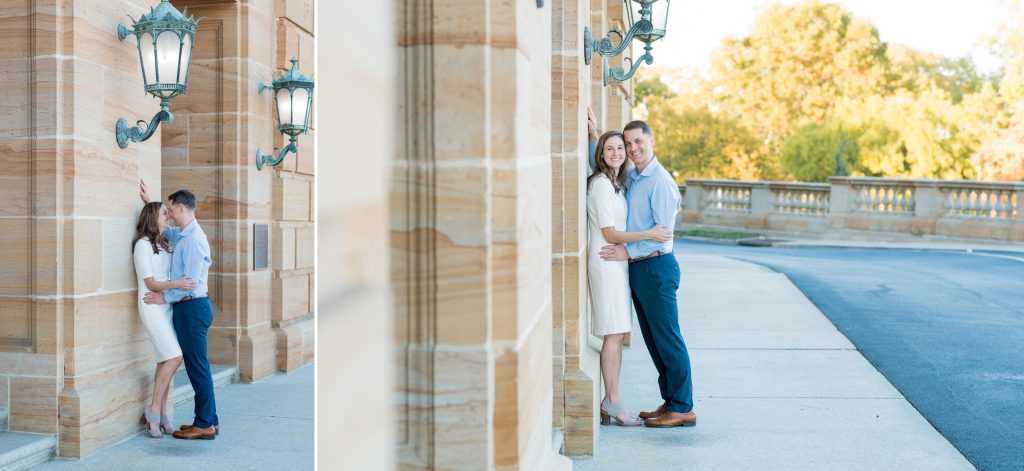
{"x": 816, "y": 152}
{"x": 792, "y": 68}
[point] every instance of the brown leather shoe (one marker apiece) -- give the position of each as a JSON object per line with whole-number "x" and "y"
{"x": 673, "y": 419}
{"x": 194, "y": 433}
{"x": 663, "y": 408}
{"x": 189, "y": 427}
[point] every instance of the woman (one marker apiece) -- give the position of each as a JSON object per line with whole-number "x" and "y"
{"x": 609, "y": 280}
{"x": 152, "y": 254}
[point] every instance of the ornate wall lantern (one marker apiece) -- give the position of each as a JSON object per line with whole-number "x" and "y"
{"x": 293, "y": 95}
{"x": 650, "y": 27}
{"x": 165, "y": 38}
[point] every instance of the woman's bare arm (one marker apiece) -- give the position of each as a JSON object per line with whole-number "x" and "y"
{"x": 657, "y": 233}
{"x": 184, "y": 283}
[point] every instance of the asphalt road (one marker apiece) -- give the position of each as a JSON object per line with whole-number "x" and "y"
{"x": 945, "y": 328}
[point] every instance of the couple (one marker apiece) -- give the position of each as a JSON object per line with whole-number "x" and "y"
{"x": 171, "y": 264}
{"x": 631, "y": 216}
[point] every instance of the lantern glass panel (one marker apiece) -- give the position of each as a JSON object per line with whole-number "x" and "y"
{"x": 659, "y": 17}
{"x": 147, "y": 49}
{"x": 284, "y": 107}
{"x": 630, "y": 13}
{"x": 300, "y": 100}
{"x": 168, "y": 49}
{"x": 186, "y": 59}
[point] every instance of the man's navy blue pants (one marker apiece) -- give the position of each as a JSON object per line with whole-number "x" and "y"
{"x": 654, "y": 282}
{"x": 191, "y": 322}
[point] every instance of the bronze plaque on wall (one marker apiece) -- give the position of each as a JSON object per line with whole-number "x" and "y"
{"x": 260, "y": 246}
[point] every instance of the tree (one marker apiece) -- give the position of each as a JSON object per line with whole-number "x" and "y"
{"x": 793, "y": 67}
{"x": 1001, "y": 155}
{"x": 695, "y": 143}
{"x": 817, "y": 152}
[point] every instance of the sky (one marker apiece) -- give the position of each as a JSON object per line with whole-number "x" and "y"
{"x": 950, "y": 28}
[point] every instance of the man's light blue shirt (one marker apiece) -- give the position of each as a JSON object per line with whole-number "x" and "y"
{"x": 191, "y": 258}
{"x": 652, "y": 198}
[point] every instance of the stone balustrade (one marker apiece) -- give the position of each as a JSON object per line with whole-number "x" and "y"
{"x": 918, "y": 207}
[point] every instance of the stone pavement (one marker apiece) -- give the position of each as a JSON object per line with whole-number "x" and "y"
{"x": 776, "y": 386}
{"x": 267, "y": 425}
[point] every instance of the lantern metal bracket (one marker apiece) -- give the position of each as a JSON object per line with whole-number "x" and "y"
{"x": 605, "y": 47}
{"x": 620, "y": 74}
{"x": 124, "y": 31}
{"x": 141, "y": 131}
{"x": 269, "y": 159}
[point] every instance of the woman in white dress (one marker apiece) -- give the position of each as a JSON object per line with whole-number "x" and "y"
{"x": 609, "y": 280}
{"x": 152, "y": 254}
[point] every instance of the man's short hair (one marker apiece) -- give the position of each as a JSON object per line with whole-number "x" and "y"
{"x": 638, "y": 125}
{"x": 184, "y": 197}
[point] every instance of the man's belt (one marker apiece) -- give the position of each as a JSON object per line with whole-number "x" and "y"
{"x": 656, "y": 253}
{"x": 188, "y": 298}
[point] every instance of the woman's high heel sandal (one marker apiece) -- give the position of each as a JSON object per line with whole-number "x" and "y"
{"x": 152, "y": 417}
{"x": 165, "y": 424}
{"x": 611, "y": 412}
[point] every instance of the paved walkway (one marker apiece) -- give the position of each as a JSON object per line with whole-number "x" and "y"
{"x": 777, "y": 388}
{"x": 267, "y": 425}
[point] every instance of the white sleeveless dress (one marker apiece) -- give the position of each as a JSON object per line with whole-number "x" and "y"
{"x": 609, "y": 281}
{"x": 156, "y": 317}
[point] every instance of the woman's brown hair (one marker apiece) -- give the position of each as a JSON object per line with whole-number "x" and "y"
{"x": 601, "y": 167}
{"x": 149, "y": 226}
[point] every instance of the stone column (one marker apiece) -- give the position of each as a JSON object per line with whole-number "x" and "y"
{"x": 928, "y": 207}
{"x": 471, "y": 232}
{"x": 760, "y": 206}
{"x": 291, "y": 312}
{"x": 693, "y": 202}
{"x": 75, "y": 361}
{"x": 576, "y": 372}
{"x": 1017, "y": 231}
{"x": 841, "y": 203}
{"x": 355, "y": 415}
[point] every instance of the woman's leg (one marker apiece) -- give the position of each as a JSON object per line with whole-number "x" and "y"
{"x": 164, "y": 373}
{"x": 611, "y": 362}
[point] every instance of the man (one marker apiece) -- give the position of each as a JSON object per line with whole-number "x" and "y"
{"x": 193, "y": 311}
{"x": 652, "y": 198}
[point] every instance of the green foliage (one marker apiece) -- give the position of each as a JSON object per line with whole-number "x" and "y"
{"x": 812, "y": 92}
{"x": 794, "y": 65}
{"x": 816, "y": 152}
{"x": 695, "y": 143}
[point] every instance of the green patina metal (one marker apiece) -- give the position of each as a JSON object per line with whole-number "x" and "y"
{"x": 154, "y": 55}
{"x": 642, "y": 30}
{"x": 290, "y": 82}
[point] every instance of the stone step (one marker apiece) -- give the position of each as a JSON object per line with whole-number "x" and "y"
{"x": 222, "y": 376}
{"x": 24, "y": 450}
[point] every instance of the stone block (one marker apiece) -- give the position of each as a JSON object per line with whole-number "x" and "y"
{"x": 117, "y": 263}
{"x": 33, "y": 404}
{"x": 284, "y": 248}
{"x": 291, "y": 198}
{"x": 15, "y": 181}
{"x": 256, "y": 353}
{"x": 461, "y": 403}
{"x": 290, "y": 344}
{"x": 291, "y": 297}
{"x": 97, "y": 319}
{"x": 299, "y": 12}
{"x": 580, "y": 432}
{"x": 28, "y": 364}
{"x": 223, "y": 345}
{"x": 304, "y": 246}
{"x": 306, "y": 157}
{"x": 15, "y": 256}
